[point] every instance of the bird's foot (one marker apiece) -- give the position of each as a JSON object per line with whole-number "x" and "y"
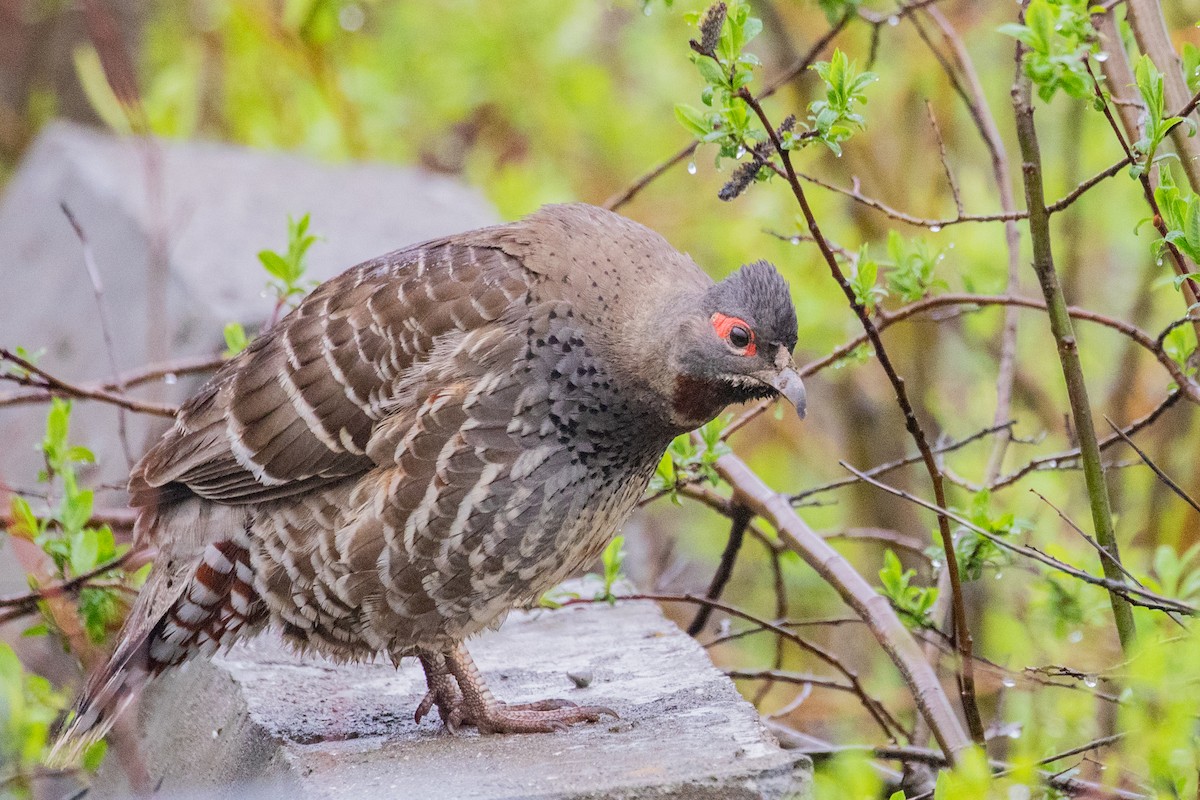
{"x": 476, "y": 706}
{"x": 544, "y": 716}
{"x": 442, "y": 691}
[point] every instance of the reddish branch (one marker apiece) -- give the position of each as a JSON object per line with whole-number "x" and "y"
{"x": 44, "y": 386}
{"x": 962, "y": 634}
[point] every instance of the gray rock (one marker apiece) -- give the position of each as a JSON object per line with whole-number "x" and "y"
{"x": 262, "y": 722}
{"x": 214, "y": 208}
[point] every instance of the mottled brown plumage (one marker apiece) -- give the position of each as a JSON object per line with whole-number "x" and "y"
{"x": 434, "y": 438}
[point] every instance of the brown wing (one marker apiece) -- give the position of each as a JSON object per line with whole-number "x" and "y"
{"x": 484, "y": 469}
{"x": 297, "y": 409}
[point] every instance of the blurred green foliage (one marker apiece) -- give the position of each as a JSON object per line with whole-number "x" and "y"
{"x": 536, "y": 101}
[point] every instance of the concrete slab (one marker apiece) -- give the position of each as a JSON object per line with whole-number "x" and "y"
{"x": 263, "y": 722}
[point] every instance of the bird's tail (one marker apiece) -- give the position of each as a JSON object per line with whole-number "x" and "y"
{"x": 184, "y": 608}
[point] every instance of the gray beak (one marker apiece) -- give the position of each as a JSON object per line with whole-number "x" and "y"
{"x": 787, "y": 382}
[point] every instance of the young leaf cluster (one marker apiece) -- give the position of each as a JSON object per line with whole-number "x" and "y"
{"x": 612, "y": 559}
{"x": 287, "y": 268}
{"x": 1176, "y": 575}
{"x": 1180, "y": 346}
{"x": 1180, "y": 211}
{"x": 863, "y": 279}
{"x": 835, "y": 118}
{"x": 725, "y": 119}
{"x": 63, "y": 532}
{"x": 684, "y": 462}
{"x": 287, "y": 282}
{"x": 913, "y": 262}
{"x": 1150, "y": 85}
{"x": 29, "y": 706}
{"x": 1059, "y": 36}
{"x": 912, "y": 603}
{"x": 976, "y": 552}
{"x": 236, "y": 339}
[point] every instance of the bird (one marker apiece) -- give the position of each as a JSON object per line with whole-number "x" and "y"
{"x": 429, "y": 440}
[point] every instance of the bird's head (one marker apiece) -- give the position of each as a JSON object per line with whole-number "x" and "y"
{"x": 736, "y": 347}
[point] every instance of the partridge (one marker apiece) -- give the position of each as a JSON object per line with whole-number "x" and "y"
{"x": 431, "y": 439}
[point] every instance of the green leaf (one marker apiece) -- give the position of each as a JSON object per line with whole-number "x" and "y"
{"x": 235, "y": 339}
{"x": 81, "y": 455}
{"x": 711, "y": 71}
{"x": 274, "y": 264}
{"x": 85, "y": 550}
{"x": 76, "y": 510}
{"x": 692, "y": 119}
{"x": 1191, "y": 66}
{"x": 25, "y": 523}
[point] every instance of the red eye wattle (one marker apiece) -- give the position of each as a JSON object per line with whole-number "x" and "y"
{"x": 735, "y": 331}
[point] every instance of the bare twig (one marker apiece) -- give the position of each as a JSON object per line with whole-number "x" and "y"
{"x": 883, "y": 320}
{"x": 737, "y": 531}
{"x": 39, "y": 378}
{"x": 1054, "y": 459}
{"x": 883, "y": 469}
{"x": 89, "y": 263}
{"x": 873, "y": 706}
{"x": 173, "y": 369}
{"x": 941, "y": 143}
{"x": 1162, "y": 476}
{"x": 21, "y": 604}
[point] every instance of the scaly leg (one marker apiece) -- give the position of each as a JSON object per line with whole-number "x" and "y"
{"x": 479, "y": 708}
{"x": 443, "y": 689}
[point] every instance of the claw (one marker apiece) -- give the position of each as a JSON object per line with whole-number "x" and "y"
{"x": 424, "y": 707}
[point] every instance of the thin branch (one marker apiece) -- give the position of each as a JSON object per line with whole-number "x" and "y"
{"x": 1162, "y": 476}
{"x": 961, "y": 632}
{"x": 941, "y": 143}
{"x": 869, "y": 605}
{"x": 883, "y": 469}
{"x": 1054, "y": 459}
{"x": 1072, "y": 785}
{"x": 740, "y": 516}
{"x": 873, "y": 706}
{"x": 89, "y": 263}
{"x": 884, "y": 320}
{"x": 901, "y": 216}
{"x": 1068, "y": 349}
{"x": 1130, "y": 593}
{"x": 1070, "y": 197}
{"x": 21, "y": 604}
{"x": 39, "y": 378}
{"x": 165, "y": 370}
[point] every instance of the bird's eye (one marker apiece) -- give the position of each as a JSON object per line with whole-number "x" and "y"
{"x": 739, "y": 337}
{"x": 735, "y": 331}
